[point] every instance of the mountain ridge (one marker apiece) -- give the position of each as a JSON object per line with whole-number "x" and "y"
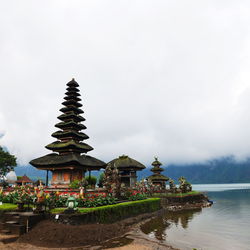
{"x": 222, "y": 170}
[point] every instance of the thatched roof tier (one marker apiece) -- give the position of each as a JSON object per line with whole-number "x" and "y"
{"x": 71, "y": 116}
{"x": 70, "y": 125}
{"x": 72, "y": 102}
{"x": 71, "y": 108}
{"x": 72, "y": 94}
{"x": 71, "y": 89}
{"x": 156, "y": 163}
{"x": 156, "y": 169}
{"x": 126, "y": 163}
{"x": 55, "y": 161}
{"x": 73, "y": 83}
{"x": 71, "y": 145}
{"x": 72, "y": 97}
{"x": 70, "y": 134}
{"x": 158, "y": 177}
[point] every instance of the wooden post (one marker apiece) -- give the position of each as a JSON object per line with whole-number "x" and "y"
{"x": 47, "y": 178}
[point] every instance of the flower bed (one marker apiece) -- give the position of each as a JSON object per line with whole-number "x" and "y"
{"x": 26, "y": 196}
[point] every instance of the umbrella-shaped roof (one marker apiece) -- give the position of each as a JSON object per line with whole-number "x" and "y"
{"x": 124, "y": 162}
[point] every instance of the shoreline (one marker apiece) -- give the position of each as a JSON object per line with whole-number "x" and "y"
{"x": 123, "y": 235}
{"x": 131, "y": 232}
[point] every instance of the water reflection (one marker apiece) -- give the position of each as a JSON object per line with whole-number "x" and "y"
{"x": 157, "y": 227}
{"x": 224, "y": 226}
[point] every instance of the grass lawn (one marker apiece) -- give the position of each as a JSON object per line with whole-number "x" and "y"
{"x": 8, "y": 206}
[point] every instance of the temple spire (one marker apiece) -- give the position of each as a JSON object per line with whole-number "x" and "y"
{"x": 69, "y": 137}
{"x": 69, "y": 160}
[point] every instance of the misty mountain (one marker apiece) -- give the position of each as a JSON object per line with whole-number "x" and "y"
{"x": 222, "y": 170}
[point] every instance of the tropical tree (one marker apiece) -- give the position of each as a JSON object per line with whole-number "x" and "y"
{"x": 7, "y": 161}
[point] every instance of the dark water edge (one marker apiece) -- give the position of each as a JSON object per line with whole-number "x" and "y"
{"x": 224, "y": 226}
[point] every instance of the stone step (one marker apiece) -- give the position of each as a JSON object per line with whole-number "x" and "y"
{"x": 16, "y": 217}
{"x": 17, "y": 229}
{"x": 9, "y": 215}
{"x": 5, "y": 231}
{"x": 10, "y": 239}
{"x": 7, "y": 225}
{"x": 10, "y": 222}
{"x": 2, "y": 224}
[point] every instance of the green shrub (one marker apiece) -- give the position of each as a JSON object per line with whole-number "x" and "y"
{"x": 112, "y": 213}
{"x": 100, "y": 182}
{"x": 91, "y": 180}
{"x": 137, "y": 196}
{"x": 74, "y": 184}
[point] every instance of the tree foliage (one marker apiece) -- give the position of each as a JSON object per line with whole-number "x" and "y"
{"x": 91, "y": 180}
{"x": 7, "y": 161}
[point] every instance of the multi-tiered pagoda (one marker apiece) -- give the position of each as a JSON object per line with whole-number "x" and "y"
{"x": 157, "y": 178}
{"x": 69, "y": 161}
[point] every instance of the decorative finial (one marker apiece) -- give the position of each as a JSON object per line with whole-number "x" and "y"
{"x": 73, "y": 79}
{"x": 156, "y": 158}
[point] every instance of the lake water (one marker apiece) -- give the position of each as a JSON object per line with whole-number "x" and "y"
{"x": 224, "y": 226}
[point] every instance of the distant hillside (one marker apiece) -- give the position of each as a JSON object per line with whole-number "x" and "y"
{"x": 35, "y": 174}
{"x": 223, "y": 170}
{"x": 32, "y": 172}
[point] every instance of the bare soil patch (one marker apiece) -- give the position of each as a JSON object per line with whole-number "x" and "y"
{"x": 52, "y": 234}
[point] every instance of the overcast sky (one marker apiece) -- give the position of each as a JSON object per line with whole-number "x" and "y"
{"x": 164, "y": 78}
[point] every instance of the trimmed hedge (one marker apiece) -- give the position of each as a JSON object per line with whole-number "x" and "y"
{"x": 111, "y": 213}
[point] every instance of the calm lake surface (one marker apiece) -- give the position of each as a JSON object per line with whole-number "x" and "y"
{"x": 224, "y": 226}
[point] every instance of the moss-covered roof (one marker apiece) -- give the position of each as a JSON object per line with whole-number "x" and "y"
{"x": 158, "y": 177}
{"x": 125, "y": 162}
{"x": 62, "y": 146}
{"x": 71, "y": 108}
{"x": 70, "y": 134}
{"x": 156, "y": 162}
{"x": 157, "y": 169}
{"x": 54, "y": 161}
{"x": 70, "y": 124}
{"x": 71, "y": 116}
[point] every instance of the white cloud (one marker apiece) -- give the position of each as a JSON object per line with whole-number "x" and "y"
{"x": 166, "y": 78}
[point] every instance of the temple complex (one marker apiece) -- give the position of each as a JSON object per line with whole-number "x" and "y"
{"x": 69, "y": 160}
{"x": 127, "y": 168}
{"x": 157, "y": 178}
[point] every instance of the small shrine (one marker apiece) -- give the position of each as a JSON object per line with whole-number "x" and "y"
{"x": 69, "y": 160}
{"x": 127, "y": 168}
{"x": 157, "y": 178}
{"x": 24, "y": 180}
